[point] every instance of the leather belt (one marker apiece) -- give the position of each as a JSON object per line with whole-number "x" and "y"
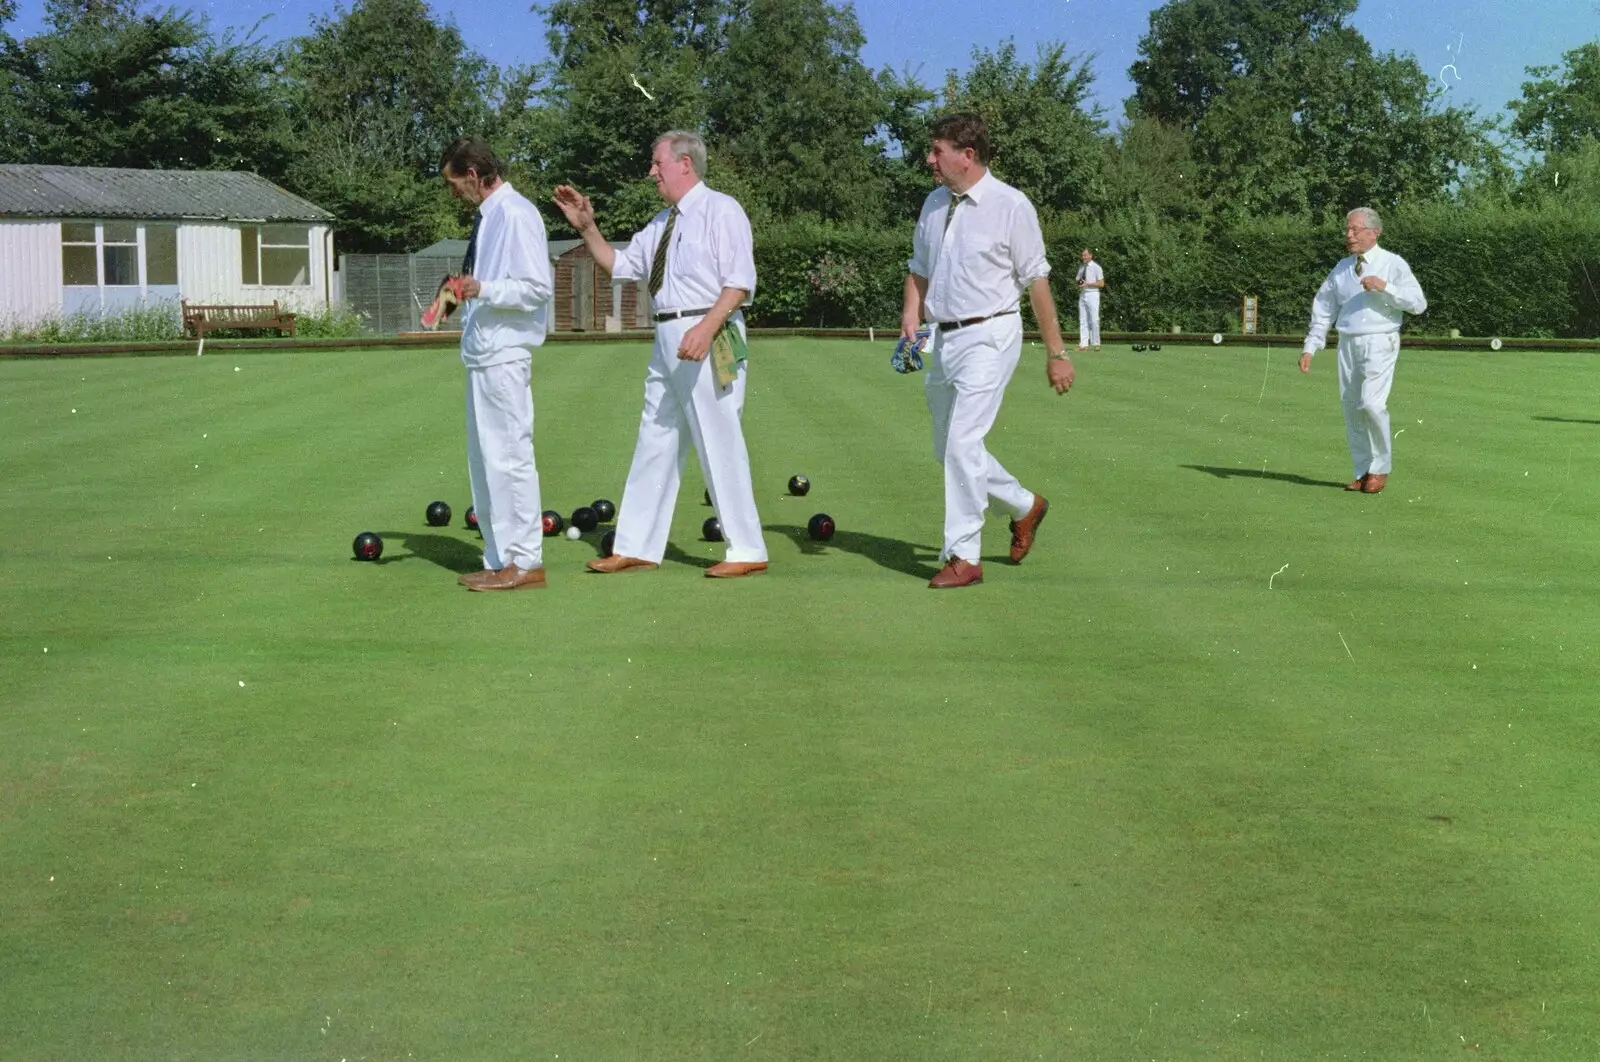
{"x": 951, "y": 326}
{"x": 673, "y": 315}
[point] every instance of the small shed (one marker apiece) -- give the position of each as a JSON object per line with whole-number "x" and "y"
{"x": 93, "y": 240}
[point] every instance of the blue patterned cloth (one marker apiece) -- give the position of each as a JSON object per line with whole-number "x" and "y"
{"x": 907, "y": 355}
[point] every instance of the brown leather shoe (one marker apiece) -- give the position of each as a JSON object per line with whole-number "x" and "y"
{"x": 511, "y": 577}
{"x": 1022, "y": 530}
{"x": 478, "y": 576}
{"x": 1356, "y": 484}
{"x": 734, "y": 569}
{"x": 618, "y": 563}
{"x": 1375, "y": 482}
{"x": 957, "y": 573}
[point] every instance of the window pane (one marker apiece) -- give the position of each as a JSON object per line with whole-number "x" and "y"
{"x": 121, "y": 232}
{"x": 248, "y": 235}
{"x": 160, "y": 254}
{"x": 78, "y": 265}
{"x": 77, "y": 232}
{"x": 285, "y": 235}
{"x": 122, "y": 265}
{"x": 283, "y": 267}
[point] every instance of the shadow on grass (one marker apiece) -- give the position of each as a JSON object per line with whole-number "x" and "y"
{"x": 1258, "y": 473}
{"x": 452, "y": 554}
{"x": 891, "y": 553}
{"x": 1567, "y": 420}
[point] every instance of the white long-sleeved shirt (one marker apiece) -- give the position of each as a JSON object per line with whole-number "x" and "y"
{"x": 981, "y": 262}
{"x": 712, "y": 249}
{"x": 1343, "y": 302}
{"x": 511, "y": 314}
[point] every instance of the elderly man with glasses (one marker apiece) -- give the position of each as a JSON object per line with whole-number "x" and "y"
{"x": 1366, "y": 297}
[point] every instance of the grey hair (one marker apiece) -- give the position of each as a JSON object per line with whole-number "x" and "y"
{"x": 683, "y": 142}
{"x": 1369, "y": 218}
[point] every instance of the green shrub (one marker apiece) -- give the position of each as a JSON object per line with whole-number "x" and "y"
{"x": 143, "y": 324}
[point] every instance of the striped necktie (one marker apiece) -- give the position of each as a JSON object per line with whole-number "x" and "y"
{"x": 956, "y": 199}
{"x": 470, "y": 260}
{"x": 1361, "y": 263}
{"x": 658, "y": 265}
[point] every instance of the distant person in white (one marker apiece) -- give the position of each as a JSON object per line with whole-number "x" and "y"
{"x": 508, "y": 288}
{"x": 1366, "y": 297}
{"x": 1091, "y": 281}
{"x": 698, "y": 260}
{"x": 976, "y": 248}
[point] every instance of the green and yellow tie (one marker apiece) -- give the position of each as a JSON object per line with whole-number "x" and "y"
{"x": 658, "y": 265}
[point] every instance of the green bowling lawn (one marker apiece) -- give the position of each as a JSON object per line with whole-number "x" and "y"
{"x": 1236, "y": 766}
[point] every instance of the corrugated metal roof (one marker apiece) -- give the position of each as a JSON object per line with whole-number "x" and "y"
{"x": 94, "y": 192}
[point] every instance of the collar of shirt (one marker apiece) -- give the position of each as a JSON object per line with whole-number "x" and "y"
{"x": 692, "y": 199}
{"x": 979, "y": 189}
{"x": 499, "y": 193}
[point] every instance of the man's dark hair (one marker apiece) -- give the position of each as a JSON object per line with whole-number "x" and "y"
{"x": 471, "y": 153}
{"x": 963, "y": 130}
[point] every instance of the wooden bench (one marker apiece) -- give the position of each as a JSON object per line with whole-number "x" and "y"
{"x": 198, "y": 319}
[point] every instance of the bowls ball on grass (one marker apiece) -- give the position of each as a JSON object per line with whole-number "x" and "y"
{"x": 472, "y": 517}
{"x": 608, "y": 543}
{"x": 438, "y": 514}
{"x": 711, "y": 530}
{"x": 799, "y": 486}
{"x": 553, "y": 523}
{"x": 820, "y": 527}
{"x": 604, "y": 509}
{"x": 368, "y": 546}
{"x": 585, "y": 519}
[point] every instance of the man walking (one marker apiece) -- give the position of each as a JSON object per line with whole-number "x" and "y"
{"x": 507, "y": 286}
{"x": 1367, "y": 296}
{"x": 976, "y": 248}
{"x": 696, "y": 256}
{"x": 1091, "y": 281}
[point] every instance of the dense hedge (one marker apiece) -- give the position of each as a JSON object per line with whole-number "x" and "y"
{"x": 1533, "y": 274}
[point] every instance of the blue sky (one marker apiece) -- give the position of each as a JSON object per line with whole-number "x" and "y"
{"x": 1478, "y": 47}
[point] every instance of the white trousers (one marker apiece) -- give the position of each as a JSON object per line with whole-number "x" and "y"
{"x": 1366, "y": 372}
{"x": 1089, "y": 318}
{"x": 505, "y": 481}
{"x": 970, "y": 371}
{"x": 683, "y": 407}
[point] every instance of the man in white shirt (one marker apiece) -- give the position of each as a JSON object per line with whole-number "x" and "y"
{"x": 697, "y": 260}
{"x": 1366, "y": 296}
{"x": 508, "y": 288}
{"x": 1091, "y": 281}
{"x": 976, "y": 248}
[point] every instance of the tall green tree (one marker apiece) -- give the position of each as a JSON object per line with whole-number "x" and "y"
{"x": 791, "y": 107}
{"x": 1559, "y": 110}
{"x": 621, "y": 73}
{"x": 1329, "y": 125}
{"x": 376, "y": 92}
{"x": 1196, "y": 49}
{"x": 1045, "y": 134}
{"x": 109, "y": 86}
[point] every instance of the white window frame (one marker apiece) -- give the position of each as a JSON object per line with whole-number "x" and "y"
{"x": 261, "y": 245}
{"x": 101, "y": 243}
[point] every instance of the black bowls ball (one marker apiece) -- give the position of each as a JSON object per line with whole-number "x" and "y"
{"x": 604, "y": 509}
{"x": 799, "y": 486}
{"x": 608, "y": 543}
{"x": 711, "y": 530}
{"x": 472, "y": 517}
{"x": 438, "y": 514}
{"x": 367, "y": 546}
{"x": 585, "y": 519}
{"x": 820, "y": 527}
{"x": 553, "y": 523}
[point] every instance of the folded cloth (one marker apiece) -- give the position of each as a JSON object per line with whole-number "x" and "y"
{"x": 728, "y": 348}
{"x": 907, "y": 355}
{"x": 444, "y": 303}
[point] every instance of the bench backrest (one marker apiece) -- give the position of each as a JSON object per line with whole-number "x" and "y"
{"x": 195, "y": 311}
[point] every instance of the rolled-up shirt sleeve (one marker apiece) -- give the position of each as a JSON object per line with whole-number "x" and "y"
{"x": 921, "y": 263}
{"x": 1027, "y": 245}
{"x": 633, "y": 263}
{"x": 733, "y": 246}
